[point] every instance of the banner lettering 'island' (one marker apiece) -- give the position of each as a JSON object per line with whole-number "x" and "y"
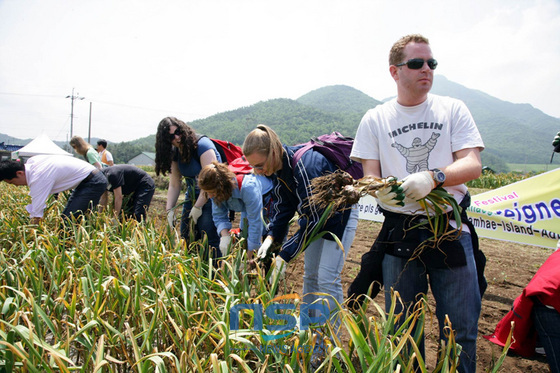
{"x": 526, "y": 212}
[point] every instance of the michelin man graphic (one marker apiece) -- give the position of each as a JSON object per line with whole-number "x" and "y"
{"x": 417, "y": 155}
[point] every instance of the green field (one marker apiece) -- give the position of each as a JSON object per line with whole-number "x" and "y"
{"x": 531, "y": 167}
{"x": 101, "y": 295}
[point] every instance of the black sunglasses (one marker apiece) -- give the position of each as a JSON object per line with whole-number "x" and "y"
{"x": 176, "y": 133}
{"x": 417, "y": 63}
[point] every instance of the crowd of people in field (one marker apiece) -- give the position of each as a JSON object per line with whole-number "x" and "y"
{"x": 424, "y": 140}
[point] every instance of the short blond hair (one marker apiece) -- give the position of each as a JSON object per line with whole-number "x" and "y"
{"x": 396, "y": 55}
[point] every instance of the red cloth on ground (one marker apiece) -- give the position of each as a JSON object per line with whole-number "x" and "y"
{"x": 545, "y": 286}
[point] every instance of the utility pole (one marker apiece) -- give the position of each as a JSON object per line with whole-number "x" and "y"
{"x": 89, "y": 128}
{"x": 72, "y": 98}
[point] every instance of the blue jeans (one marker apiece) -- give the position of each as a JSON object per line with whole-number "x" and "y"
{"x": 205, "y": 224}
{"x": 324, "y": 260}
{"x": 547, "y": 324}
{"x": 86, "y": 195}
{"x": 455, "y": 290}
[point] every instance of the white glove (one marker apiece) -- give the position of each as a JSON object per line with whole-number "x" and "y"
{"x": 391, "y": 196}
{"x": 419, "y": 185}
{"x": 263, "y": 250}
{"x": 195, "y": 213}
{"x": 225, "y": 241}
{"x": 278, "y": 270}
{"x": 171, "y": 218}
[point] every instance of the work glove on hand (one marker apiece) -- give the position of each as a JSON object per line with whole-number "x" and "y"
{"x": 195, "y": 213}
{"x": 556, "y": 143}
{"x": 391, "y": 195}
{"x": 278, "y": 270}
{"x": 263, "y": 250}
{"x": 171, "y": 218}
{"x": 225, "y": 241}
{"x": 418, "y": 185}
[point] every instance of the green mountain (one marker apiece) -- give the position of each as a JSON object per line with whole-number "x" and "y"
{"x": 339, "y": 99}
{"x": 293, "y": 121}
{"x": 7, "y": 139}
{"x": 516, "y": 133}
{"x": 512, "y": 133}
{"x": 124, "y": 151}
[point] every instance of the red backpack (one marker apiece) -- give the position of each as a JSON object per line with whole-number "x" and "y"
{"x": 240, "y": 167}
{"x": 228, "y": 151}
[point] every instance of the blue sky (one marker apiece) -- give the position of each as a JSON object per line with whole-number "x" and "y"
{"x": 138, "y": 61}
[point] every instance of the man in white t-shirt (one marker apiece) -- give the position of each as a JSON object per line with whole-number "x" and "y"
{"x": 427, "y": 141}
{"x": 50, "y": 174}
{"x": 105, "y": 155}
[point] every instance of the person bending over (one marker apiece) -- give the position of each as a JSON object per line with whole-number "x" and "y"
{"x": 86, "y": 150}
{"x": 222, "y": 186}
{"x": 182, "y": 153}
{"x": 50, "y": 174}
{"x": 324, "y": 259}
{"x": 130, "y": 185}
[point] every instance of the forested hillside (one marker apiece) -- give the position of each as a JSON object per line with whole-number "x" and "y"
{"x": 516, "y": 133}
{"x": 339, "y": 99}
{"x": 293, "y": 121}
{"x": 124, "y": 151}
{"x": 512, "y": 133}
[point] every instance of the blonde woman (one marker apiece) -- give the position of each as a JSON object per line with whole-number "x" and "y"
{"x": 86, "y": 150}
{"x": 324, "y": 259}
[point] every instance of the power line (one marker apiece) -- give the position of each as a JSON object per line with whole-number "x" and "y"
{"x": 107, "y": 103}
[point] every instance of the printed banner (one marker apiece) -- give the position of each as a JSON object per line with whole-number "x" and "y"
{"x": 526, "y": 212}
{"x": 368, "y": 209}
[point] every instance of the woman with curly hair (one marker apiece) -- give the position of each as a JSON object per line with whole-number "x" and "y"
{"x": 181, "y": 152}
{"x": 86, "y": 150}
{"x": 222, "y": 185}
